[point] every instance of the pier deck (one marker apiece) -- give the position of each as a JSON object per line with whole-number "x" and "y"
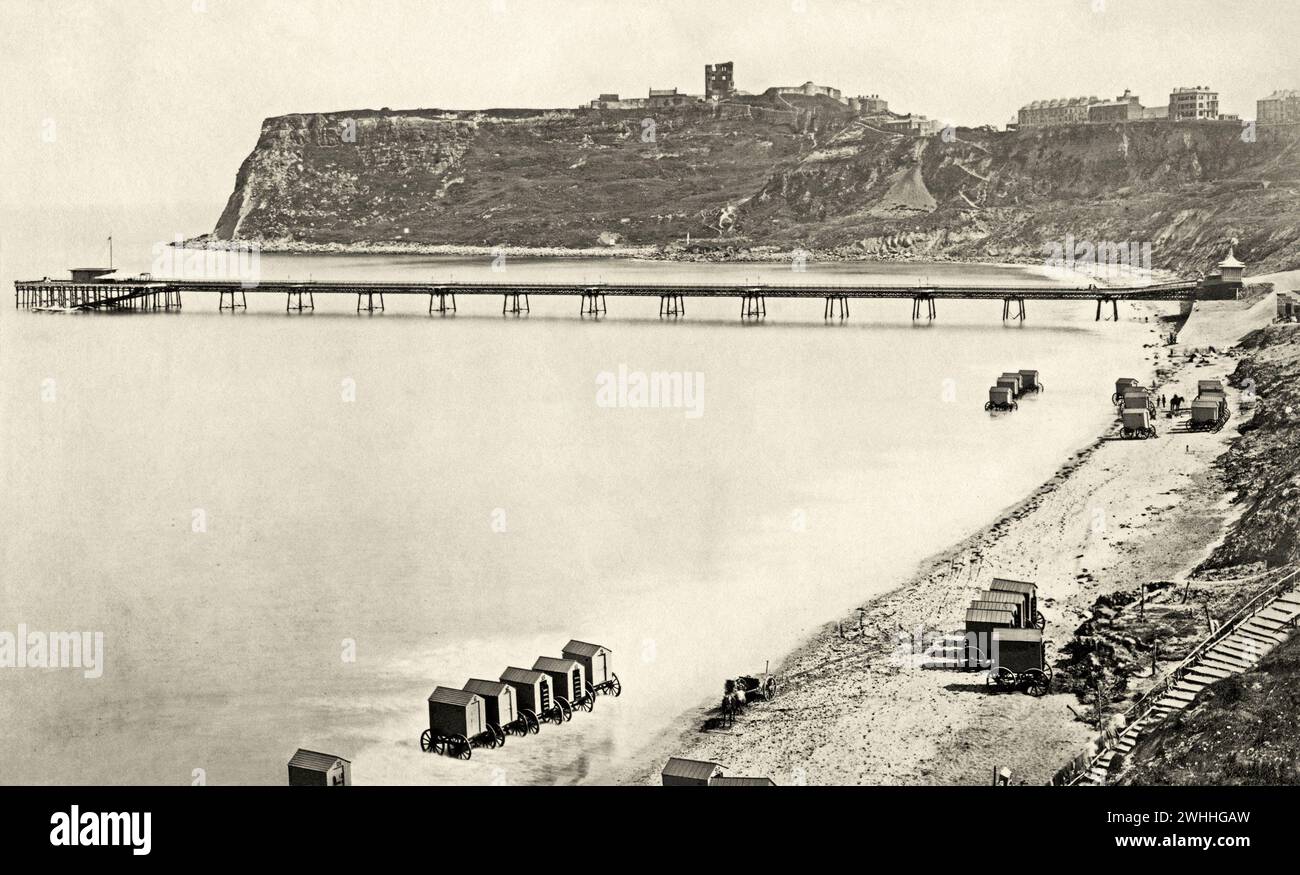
{"x": 165, "y": 294}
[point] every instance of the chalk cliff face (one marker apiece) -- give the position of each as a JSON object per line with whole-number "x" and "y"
{"x": 522, "y": 178}
{"x": 749, "y": 178}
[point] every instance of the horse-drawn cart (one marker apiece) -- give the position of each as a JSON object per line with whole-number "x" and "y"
{"x": 760, "y": 687}
{"x": 741, "y": 691}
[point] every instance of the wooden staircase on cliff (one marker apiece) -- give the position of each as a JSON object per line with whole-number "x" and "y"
{"x": 1236, "y": 647}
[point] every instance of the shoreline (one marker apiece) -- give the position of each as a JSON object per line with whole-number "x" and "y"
{"x": 298, "y": 247}
{"x": 758, "y": 254}
{"x": 853, "y": 711}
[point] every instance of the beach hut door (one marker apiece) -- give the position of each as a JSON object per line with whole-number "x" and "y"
{"x": 604, "y": 669}
{"x": 546, "y": 696}
{"x": 577, "y": 683}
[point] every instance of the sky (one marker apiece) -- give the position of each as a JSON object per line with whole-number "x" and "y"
{"x": 158, "y": 101}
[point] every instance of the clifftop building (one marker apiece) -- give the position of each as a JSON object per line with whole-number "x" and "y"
{"x": 1279, "y": 108}
{"x": 1065, "y": 111}
{"x": 914, "y": 125}
{"x": 1185, "y": 104}
{"x": 719, "y": 82}
{"x": 869, "y": 104}
{"x": 808, "y": 89}
{"x": 1198, "y": 103}
{"x": 1125, "y": 108}
{"x": 660, "y": 97}
{"x": 613, "y": 101}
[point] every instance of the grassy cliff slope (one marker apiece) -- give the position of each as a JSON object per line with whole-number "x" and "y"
{"x": 760, "y": 174}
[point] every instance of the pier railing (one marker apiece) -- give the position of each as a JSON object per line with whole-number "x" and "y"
{"x": 1153, "y": 291}
{"x": 149, "y": 292}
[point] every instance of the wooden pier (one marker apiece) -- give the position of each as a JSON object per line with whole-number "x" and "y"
{"x": 149, "y": 293}
{"x": 71, "y": 296}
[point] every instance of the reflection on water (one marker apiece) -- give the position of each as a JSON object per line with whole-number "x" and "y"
{"x": 447, "y": 495}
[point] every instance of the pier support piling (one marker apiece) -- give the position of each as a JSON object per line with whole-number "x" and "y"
{"x": 931, "y": 311}
{"x": 672, "y": 305}
{"x": 512, "y": 303}
{"x": 593, "y": 304}
{"x": 370, "y": 301}
{"x": 289, "y": 301}
{"x": 753, "y": 306}
{"x": 1006, "y": 309}
{"x": 221, "y": 300}
{"x": 828, "y": 312}
{"x": 149, "y": 297}
{"x": 1114, "y": 307}
{"x": 442, "y": 302}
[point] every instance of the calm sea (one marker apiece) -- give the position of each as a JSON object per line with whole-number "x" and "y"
{"x": 291, "y": 528}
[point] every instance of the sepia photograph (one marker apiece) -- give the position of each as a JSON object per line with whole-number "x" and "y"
{"x": 429, "y": 398}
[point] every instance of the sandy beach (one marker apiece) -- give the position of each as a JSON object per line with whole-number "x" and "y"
{"x": 1118, "y": 513}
